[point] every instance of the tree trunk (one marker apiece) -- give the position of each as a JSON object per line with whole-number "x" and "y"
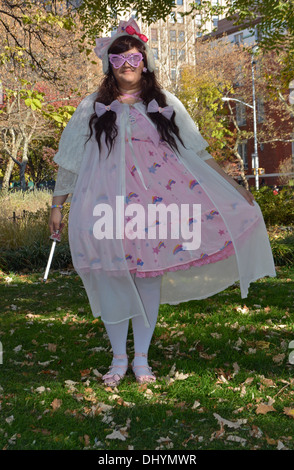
{"x": 7, "y": 174}
{"x": 242, "y": 171}
{"x": 23, "y": 164}
{"x": 22, "y": 169}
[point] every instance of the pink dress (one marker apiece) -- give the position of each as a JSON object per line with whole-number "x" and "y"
{"x": 168, "y": 182}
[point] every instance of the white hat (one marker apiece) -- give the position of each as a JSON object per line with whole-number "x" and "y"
{"x": 125, "y": 28}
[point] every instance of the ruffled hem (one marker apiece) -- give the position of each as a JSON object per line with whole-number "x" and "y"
{"x": 225, "y": 253}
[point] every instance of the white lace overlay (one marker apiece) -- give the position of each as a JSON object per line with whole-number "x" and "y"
{"x": 102, "y": 264}
{"x": 65, "y": 182}
{"x": 204, "y": 155}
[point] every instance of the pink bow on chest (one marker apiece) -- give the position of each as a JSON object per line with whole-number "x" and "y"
{"x": 101, "y": 108}
{"x": 153, "y": 107}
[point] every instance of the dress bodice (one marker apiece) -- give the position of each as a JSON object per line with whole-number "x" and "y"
{"x": 141, "y": 129}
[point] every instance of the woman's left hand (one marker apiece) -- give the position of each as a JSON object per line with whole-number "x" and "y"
{"x": 246, "y": 194}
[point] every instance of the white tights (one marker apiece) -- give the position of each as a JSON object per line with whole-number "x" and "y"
{"x": 149, "y": 291}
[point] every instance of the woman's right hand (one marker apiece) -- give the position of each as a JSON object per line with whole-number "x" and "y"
{"x": 55, "y": 219}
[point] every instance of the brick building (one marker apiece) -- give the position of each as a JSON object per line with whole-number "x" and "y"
{"x": 271, "y": 154}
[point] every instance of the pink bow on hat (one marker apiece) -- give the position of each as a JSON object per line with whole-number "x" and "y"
{"x": 132, "y": 31}
{"x": 153, "y": 107}
{"x": 101, "y": 108}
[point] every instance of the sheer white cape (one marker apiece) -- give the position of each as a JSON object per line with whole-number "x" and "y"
{"x": 110, "y": 287}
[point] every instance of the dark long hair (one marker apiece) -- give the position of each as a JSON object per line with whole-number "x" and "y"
{"x": 108, "y": 91}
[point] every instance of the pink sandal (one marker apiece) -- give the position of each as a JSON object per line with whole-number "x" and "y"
{"x": 149, "y": 377}
{"x": 113, "y": 380}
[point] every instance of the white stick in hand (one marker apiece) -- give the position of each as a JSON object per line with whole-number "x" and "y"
{"x": 56, "y": 238}
{"x": 49, "y": 261}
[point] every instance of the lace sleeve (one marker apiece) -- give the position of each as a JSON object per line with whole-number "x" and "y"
{"x": 65, "y": 182}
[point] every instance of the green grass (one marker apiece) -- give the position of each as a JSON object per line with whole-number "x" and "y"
{"x": 214, "y": 358}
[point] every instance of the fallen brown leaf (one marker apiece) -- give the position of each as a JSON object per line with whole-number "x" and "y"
{"x": 270, "y": 441}
{"x": 263, "y": 344}
{"x": 255, "y": 431}
{"x": 245, "y": 309}
{"x": 182, "y": 404}
{"x": 56, "y": 404}
{"x": 49, "y": 372}
{"x": 142, "y": 387}
{"x": 206, "y": 356}
{"x": 263, "y": 409}
{"x": 249, "y": 380}
{"x": 267, "y": 382}
{"x": 42, "y": 431}
{"x": 218, "y": 434}
{"x": 278, "y": 359}
{"x": 289, "y": 412}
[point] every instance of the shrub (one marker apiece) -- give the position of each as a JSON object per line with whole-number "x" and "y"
{"x": 282, "y": 244}
{"x": 277, "y": 209}
{"x": 34, "y": 257}
{"x": 25, "y": 242}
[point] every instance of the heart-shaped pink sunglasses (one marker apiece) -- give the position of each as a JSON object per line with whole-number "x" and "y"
{"x": 118, "y": 60}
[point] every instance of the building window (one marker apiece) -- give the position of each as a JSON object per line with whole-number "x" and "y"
{"x": 215, "y": 21}
{"x": 238, "y": 38}
{"x": 182, "y": 54}
{"x": 173, "y": 35}
{"x": 173, "y": 54}
{"x": 181, "y": 36}
{"x": 179, "y": 2}
{"x": 173, "y": 74}
{"x": 242, "y": 150}
{"x": 155, "y": 52}
{"x": 154, "y": 34}
{"x": 260, "y": 110}
{"x": 198, "y": 20}
{"x": 257, "y": 34}
{"x": 180, "y": 18}
{"x": 241, "y": 114}
{"x": 172, "y": 17}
